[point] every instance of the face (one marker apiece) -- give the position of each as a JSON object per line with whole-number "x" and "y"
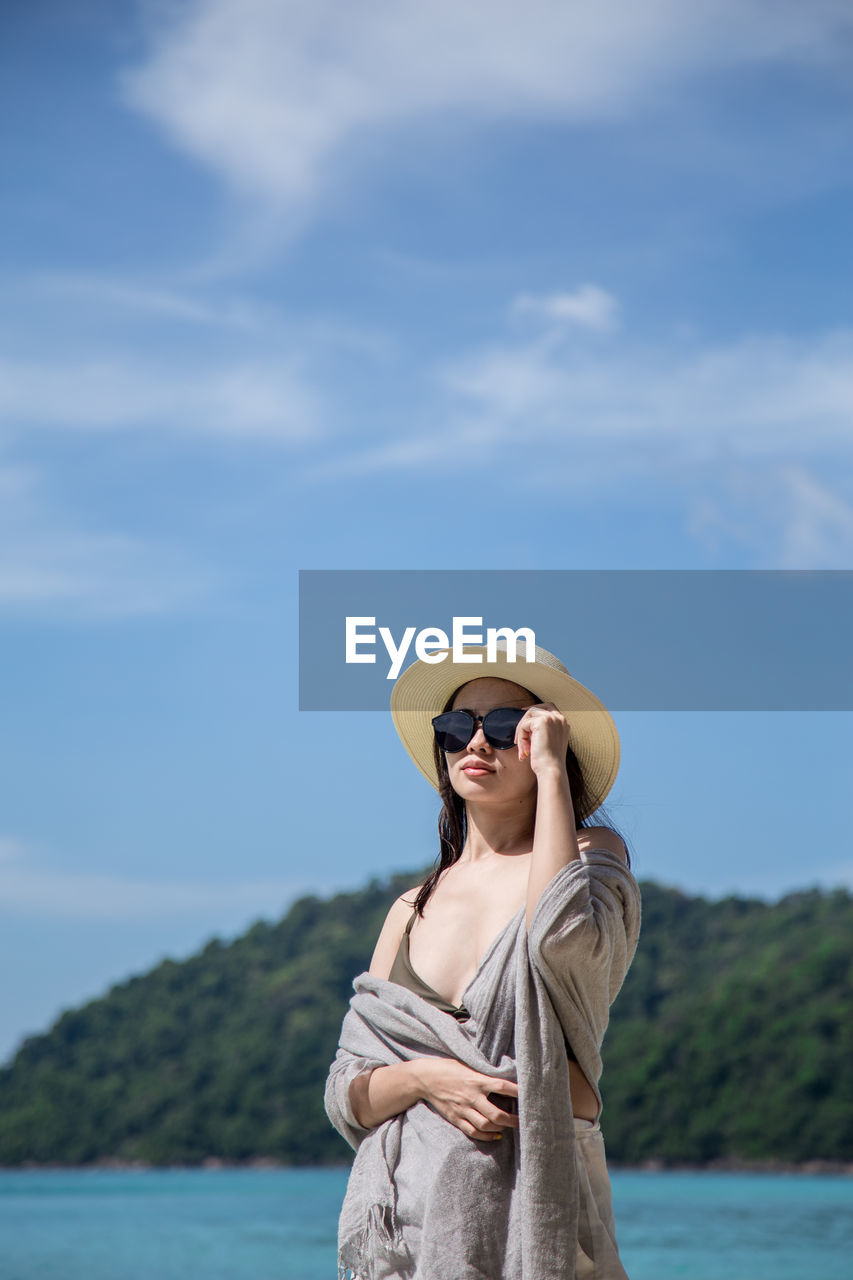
{"x": 479, "y": 771}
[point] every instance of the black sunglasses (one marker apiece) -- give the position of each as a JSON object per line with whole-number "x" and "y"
{"x": 455, "y": 729}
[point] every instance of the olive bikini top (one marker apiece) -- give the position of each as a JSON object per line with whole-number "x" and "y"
{"x": 404, "y": 975}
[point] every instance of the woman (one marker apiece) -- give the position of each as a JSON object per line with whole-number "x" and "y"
{"x": 466, "y": 1078}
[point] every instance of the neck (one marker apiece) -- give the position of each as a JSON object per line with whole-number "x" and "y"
{"x": 499, "y": 829}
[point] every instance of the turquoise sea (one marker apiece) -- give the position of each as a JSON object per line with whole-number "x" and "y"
{"x": 279, "y": 1224}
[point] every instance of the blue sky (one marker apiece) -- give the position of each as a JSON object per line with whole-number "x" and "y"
{"x": 433, "y": 286}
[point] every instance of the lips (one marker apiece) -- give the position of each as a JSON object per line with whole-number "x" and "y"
{"x": 476, "y": 767}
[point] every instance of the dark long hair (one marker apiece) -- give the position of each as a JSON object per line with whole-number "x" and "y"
{"x": 453, "y": 819}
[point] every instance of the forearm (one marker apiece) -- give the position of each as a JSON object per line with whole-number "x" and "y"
{"x": 385, "y": 1091}
{"x": 555, "y": 842}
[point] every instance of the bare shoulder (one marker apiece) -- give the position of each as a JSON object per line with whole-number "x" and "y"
{"x": 391, "y": 932}
{"x": 602, "y": 838}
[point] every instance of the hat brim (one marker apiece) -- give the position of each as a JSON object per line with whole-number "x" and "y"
{"x": 422, "y": 690}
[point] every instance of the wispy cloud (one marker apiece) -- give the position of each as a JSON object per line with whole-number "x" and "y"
{"x": 741, "y": 429}
{"x": 269, "y": 400}
{"x": 51, "y": 564}
{"x": 589, "y": 306}
{"x": 48, "y": 891}
{"x": 275, "y": 95}
{"x": 162, "y": 300}
{"x": 783, "y": 505}
{"x": 760, "y": 395}
{"x": 183, "y": 308}
{"x": 765, "y": 397}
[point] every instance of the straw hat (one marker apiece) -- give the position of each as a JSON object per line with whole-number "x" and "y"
{"x": 423, "y": 689}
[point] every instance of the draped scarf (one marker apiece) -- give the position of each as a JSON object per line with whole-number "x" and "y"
{"x": 424, "y": 1201}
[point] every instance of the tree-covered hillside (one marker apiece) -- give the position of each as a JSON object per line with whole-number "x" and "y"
{"x": 732, "y": 1038}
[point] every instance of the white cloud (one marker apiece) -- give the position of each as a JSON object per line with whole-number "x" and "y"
{"x": 741, "y": 429}
{"x": 261, "y": 400}
{"x": 589, "y": 307}
{"x": 760, "y": 396}
{"x": 811, "y": 524}
{"x": 47, "y": 891}
{"x": 820, "y": 525}
{"x": 48, "y": 563}
{"x": 276, "y": 95}
{"x": 133, "y": 295}
{"x": 114, "y": 302}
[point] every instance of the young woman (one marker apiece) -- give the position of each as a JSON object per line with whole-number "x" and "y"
{"x": 466, "y": 1078}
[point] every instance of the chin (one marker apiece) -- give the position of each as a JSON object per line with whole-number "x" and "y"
{"x": 467, "y": 788}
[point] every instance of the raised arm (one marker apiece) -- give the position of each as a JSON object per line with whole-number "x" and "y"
{"x": 543, "y": 735}
{"x": 555, "y": 842}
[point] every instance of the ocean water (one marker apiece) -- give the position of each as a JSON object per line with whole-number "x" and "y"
{"x": 279, "y": 1224}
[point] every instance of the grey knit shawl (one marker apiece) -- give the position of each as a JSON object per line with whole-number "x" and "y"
{"x": 425, "y": 1202}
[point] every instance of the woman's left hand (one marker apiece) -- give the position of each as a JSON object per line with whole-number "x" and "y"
{"x": 543, "y": 735}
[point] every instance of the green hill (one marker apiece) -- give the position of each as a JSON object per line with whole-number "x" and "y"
{"x": 731, "y": 1039}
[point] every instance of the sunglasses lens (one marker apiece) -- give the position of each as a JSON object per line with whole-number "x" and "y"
{"x": 453, "y": 730}
{"x": 500, "y": 725}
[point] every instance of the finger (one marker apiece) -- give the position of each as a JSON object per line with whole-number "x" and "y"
{"x": 503, "y": 1119}
{"x": 476, "y": 1133}
{"x": 496, "y": 1112}
{"x": 486, "y": 1117}
{"x": 485, "y": 1135}
{"x": 497, "y": 1085}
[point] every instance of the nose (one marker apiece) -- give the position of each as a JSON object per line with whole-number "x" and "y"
{"x": 479, "y": 742}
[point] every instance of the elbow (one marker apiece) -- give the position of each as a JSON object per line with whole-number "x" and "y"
{"x": 344, "y": 1105}
{"x": 354, "y": 1108}
{"x": 587, "y": 944}
{"x": 359, "y": 1101}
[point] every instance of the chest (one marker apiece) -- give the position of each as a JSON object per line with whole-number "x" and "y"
{"x": 460, "y": 923}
